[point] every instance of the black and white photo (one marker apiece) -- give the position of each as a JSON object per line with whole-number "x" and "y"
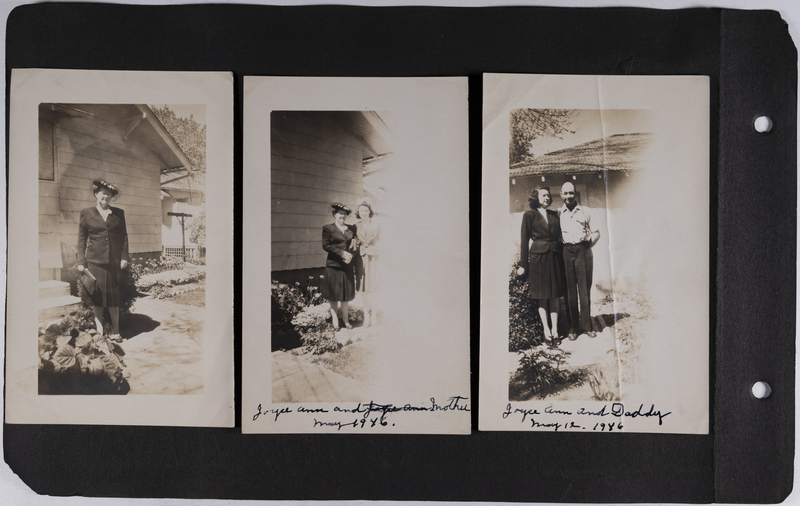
{"x": 368, "y": 217}
{"x": 594, "y": 259}
{"x": 129, "y": 293}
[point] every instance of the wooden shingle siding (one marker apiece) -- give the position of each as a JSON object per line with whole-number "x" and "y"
{"x": 93, "y": 147}
{"x": 315, "y": 161}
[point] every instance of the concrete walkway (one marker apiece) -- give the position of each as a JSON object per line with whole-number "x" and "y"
{"x": 296, "y": 379}
{"x": 166, "y": 359}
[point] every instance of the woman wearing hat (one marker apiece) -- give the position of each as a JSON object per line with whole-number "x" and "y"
{"x": 367, "y": 233}
{"x": 103, "y": 252}
{"x": 338, "y": 286}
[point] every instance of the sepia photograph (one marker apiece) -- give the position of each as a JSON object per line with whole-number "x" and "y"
{"x": 121, "y": 248}
{"x": 572, "y": 323}
{"x": 367, "y": 331}
{"x": 331, "y": 176}
{"x": 126, "y": 284}
{"x": 595, "y": 254}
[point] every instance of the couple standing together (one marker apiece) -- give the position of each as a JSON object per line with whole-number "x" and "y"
{"x": 559, "y": 259}
{"x": 352, "y": 261}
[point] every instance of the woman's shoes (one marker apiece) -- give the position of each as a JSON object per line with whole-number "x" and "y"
{"x": 115, "y": 338}
{"x": 348, "y": 326}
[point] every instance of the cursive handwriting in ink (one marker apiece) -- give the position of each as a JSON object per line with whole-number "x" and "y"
{"x": 550, "y": 411}
{"x": 276, "y": 412}
{"x": 338, "y": 425}
{"x": 523, "y": 412}
{"x": 302, "y": 409}
{"x": 452, "y": 403}
{"x": 555, "y": 426}
{"x": 602, "y": 412}
{"x": 618, "y": 410}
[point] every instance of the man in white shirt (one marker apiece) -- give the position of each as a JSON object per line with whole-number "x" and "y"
{"x": 579, "y": 236}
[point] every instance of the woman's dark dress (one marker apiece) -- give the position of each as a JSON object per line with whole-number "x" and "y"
{"x": 543, "y": 259}
{"x": 102, "y": 244}
{"x": 339, "y": 281}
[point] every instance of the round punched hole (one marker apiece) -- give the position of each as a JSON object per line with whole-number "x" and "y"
{"x": 762, "y": 124}
{"x": 761, "y": 390}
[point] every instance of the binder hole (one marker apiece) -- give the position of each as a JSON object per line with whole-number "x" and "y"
{"x": 763, "y": 124}
{"x": 761, "y": 390}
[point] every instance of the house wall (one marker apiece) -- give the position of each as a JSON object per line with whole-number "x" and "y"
{"x": 87, "y": 148}
{"x": 604, "y": 196}
{"x": 315, "y": 162}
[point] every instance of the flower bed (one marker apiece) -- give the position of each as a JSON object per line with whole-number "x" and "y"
{"x": 161, "y": 284}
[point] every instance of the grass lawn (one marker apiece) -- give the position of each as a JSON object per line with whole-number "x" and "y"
{"x": 196, "y": 297}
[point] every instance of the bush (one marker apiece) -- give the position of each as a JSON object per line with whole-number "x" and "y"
{"x": 188, "y": 273}
{"x": 540, "y": 371}
{"x": 318, "y": 343}
{"x": 287, "y": 301}
{"x": 524, "y": 327}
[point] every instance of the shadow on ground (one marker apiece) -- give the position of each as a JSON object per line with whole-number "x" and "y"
{"x": 133, "y": 324}
{"x": 611, "y": 319}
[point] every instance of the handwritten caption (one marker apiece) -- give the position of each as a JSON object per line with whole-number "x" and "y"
{"x": 554, "y": 419}
{"x": 367, "y": 415}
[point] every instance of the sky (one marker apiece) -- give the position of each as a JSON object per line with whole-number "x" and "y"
{"x": 592, "y": 124}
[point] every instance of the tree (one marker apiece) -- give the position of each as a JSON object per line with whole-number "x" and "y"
{"x": 187, "y": 132}
{"x": 530, "y": 124}
{"x": 197, "y": 227}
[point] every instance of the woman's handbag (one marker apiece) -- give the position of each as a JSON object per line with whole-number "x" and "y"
{"x": 85, "y": 278}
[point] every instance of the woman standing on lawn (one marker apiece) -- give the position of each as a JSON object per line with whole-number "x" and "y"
{"x": 338, "y": 285}
{"x": 103, "y": 252}
{"x": 367, "y": 233}
{"x": 542, "y": 260}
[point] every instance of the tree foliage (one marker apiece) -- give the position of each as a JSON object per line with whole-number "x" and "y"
{"x": 530, "y": 124}
{"x": 197, "y": 227}
{"x": 187, "y": 132}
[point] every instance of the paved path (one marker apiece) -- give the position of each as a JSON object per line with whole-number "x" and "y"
{"x": 167, "y": 359}
{"x": 296, "y": 379}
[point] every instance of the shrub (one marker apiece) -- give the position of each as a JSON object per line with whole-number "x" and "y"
{"x": 318, "y": 343}
{"x": 313, "y": 319}
{"x": 188, "y": 273}
{"x": 540, "y": 371}
{"x": 524, "y": 328}
{"x": 287, "y": 301}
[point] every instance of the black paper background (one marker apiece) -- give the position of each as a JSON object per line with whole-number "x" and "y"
{"x": 748, "y": 455}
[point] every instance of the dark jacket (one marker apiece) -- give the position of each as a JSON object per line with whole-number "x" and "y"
{"x": 546, "y": 236}
{"x": 335, "y": 243}
{"x": 102, "y": 242}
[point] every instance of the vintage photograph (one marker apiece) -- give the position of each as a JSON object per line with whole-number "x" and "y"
{"x": 595, "y": 248}
{"x": 367, "y": 328}
{"x": 572, "y": 323}
{"x": 121, "y": 248}
{"x": 127, "y": 280}
{"x": 331, "y": 175}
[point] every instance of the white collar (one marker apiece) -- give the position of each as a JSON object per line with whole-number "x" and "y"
{"x": 103, "y": 213}
{"x": 564, "y": 208}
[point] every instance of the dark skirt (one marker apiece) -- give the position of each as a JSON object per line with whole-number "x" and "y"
{"x": 106, "y": 292}
{"x": 339, "y": 284}
{"x": 546, "y": 275}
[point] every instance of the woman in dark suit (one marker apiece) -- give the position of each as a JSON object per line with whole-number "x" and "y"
{"x": 103, "y": 252}
{"x": 542, "y": 260}
{"x": 338, "y": 286}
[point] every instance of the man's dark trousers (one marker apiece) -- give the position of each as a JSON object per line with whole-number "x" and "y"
{"x": 578, "y": 262}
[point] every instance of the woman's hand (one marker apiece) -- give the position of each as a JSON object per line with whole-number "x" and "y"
{"x": 80, "y": 268}
{"x": 521, "y": 271}
{"x": 347, "y": 256}
{"x": 123, "y": 264}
